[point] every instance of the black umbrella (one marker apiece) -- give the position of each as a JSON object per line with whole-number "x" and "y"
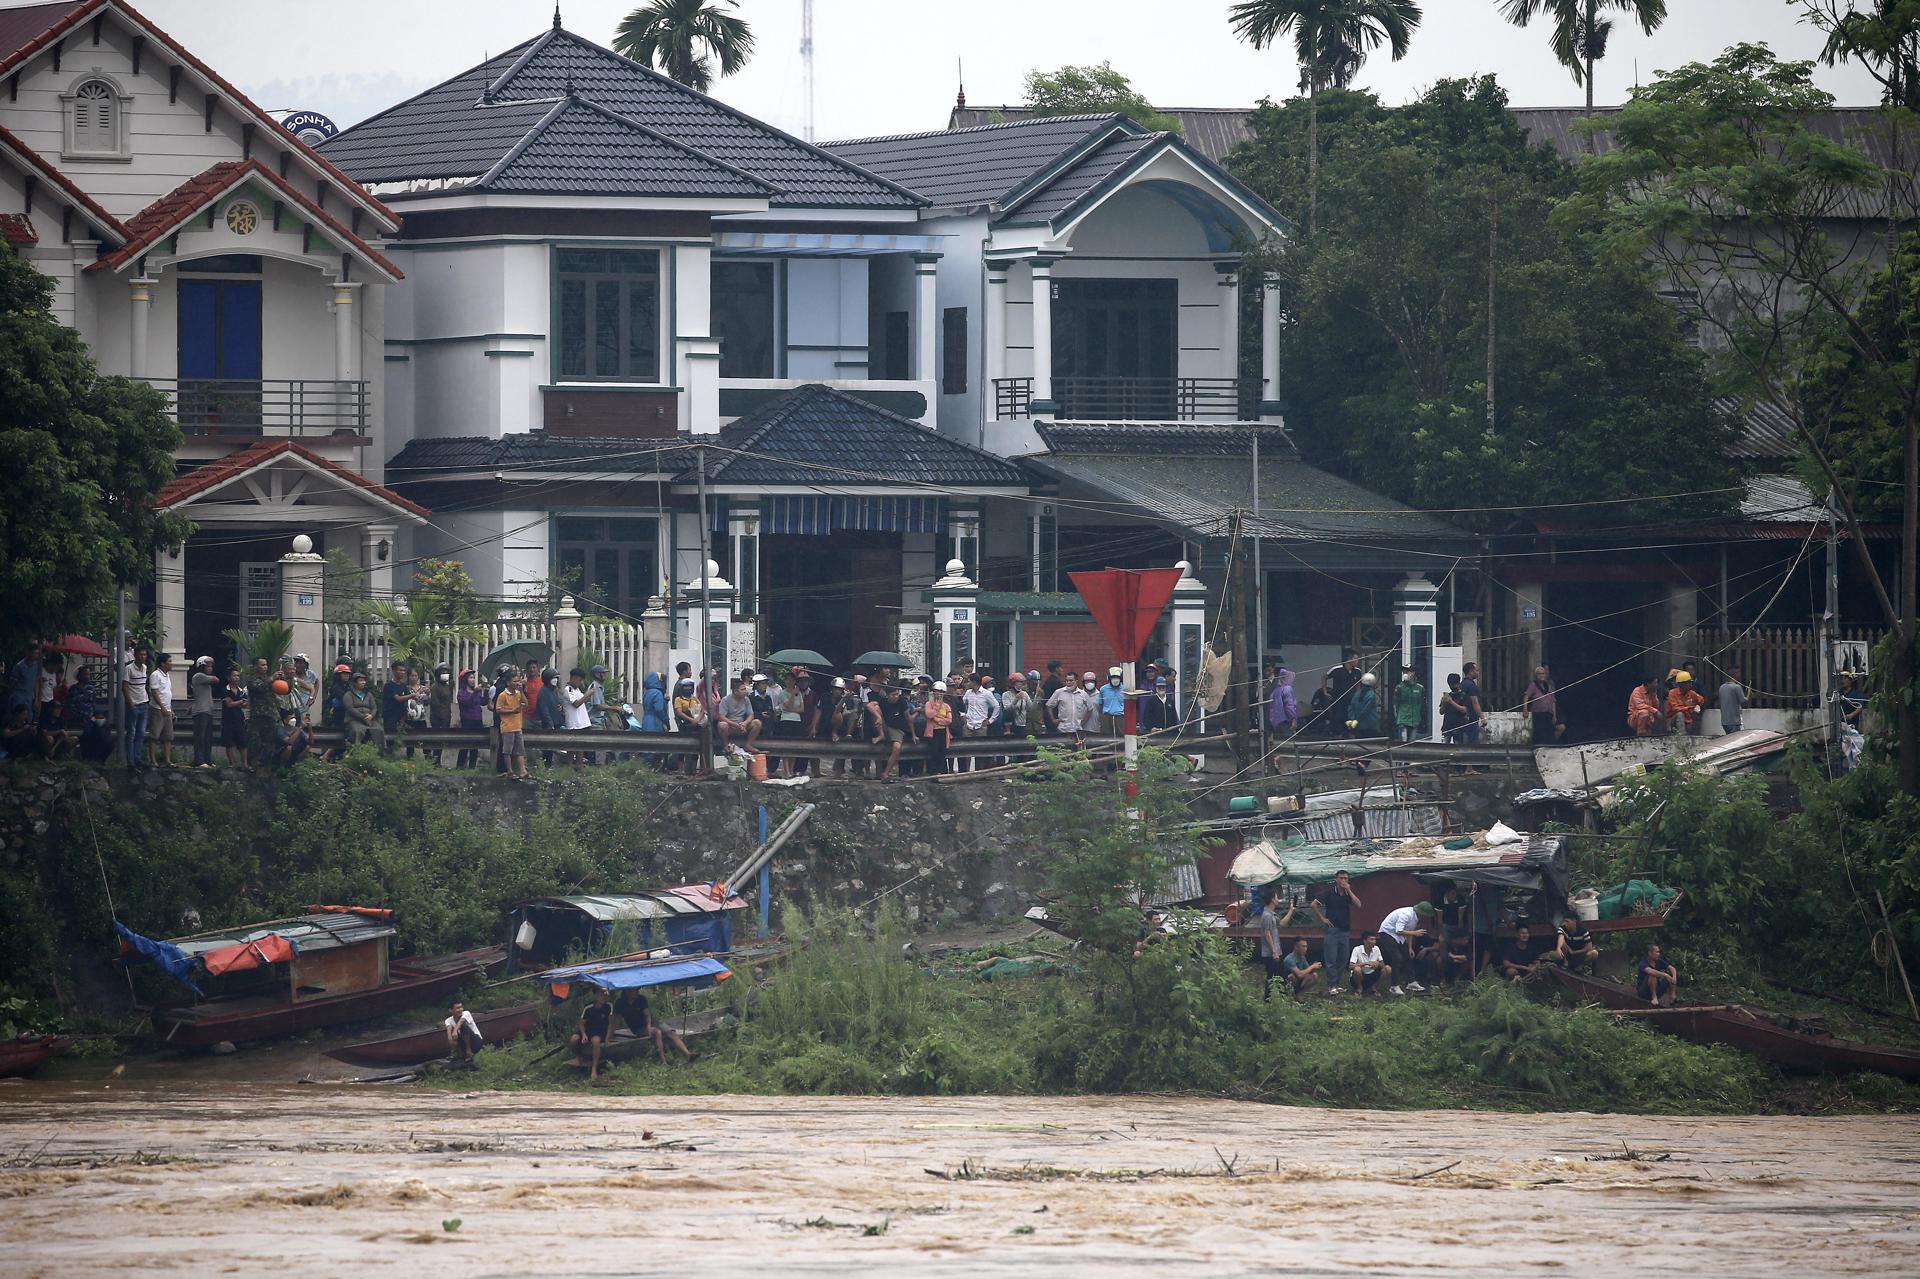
{"x": 799, "y": 657}
{"x": 880, "y": 657}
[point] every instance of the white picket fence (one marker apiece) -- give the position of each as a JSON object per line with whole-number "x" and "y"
{"x": 616, "y": 644}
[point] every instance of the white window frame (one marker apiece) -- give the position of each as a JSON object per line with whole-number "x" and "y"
{"x": 120, "y": 147}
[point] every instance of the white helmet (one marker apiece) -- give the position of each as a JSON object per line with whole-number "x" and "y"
{"x": 1369, "y": 679}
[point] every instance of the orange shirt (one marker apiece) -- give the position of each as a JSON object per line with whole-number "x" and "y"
{"x": 1683, "y": 700}
{"x": 939, "y": 712}
{"x": 507, "y": 709}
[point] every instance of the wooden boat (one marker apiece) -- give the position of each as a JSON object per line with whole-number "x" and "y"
{"x": 28, "y": 1053}
{"x": 428, "y": 1043}
{"x": 626, "y": 1046}
{"x": 1777, "y": 1039}
{"x": 316, "y": 998}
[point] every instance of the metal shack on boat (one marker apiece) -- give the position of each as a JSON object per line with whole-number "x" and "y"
{"x": 690, "y": 920}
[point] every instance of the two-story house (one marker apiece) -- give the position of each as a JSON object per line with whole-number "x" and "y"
{"x": 201, "y": 247}
{"x": 614, "y": 281}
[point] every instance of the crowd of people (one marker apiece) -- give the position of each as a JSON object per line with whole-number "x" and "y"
{"x": 1351, "y": 703}
{"x": 1418, "y": 946}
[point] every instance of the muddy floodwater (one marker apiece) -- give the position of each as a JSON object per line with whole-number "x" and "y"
{"x": 329, "y": 1180}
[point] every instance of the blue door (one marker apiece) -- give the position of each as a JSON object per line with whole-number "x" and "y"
{"x": 220, "y": 355}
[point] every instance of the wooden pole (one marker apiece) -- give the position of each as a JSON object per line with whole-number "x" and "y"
{"x": 1899, "y": 964}
{"x": 1237, "y": 637}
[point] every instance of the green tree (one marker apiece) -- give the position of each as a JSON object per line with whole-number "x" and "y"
{"x": 685, "y": 38}
{"x": 1438, "y": 234}
{"x": 1093, "y": 91}
{"x": 1581, "y": 29}
{"x": 1716, "y": 177}
{"x": 1331, "y": 39}
{"x": 86, "y": 455}
{"x": 442, "y": 607}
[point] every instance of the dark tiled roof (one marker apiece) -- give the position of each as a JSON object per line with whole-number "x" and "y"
{"x": 815, "y": 435}
{"x": 1066, "y": 190}
{"x": 446, "y": 132}
{"x": 962, "y": 168}
{"x": 1167, "y": 439}
{"x": 1766, "y": 433}
{"x": 1212, "y": 131}
{"x": 153, "y": 223}
{"x": 582, "y": 148}
{"x": 424, "y": 459}
{"x": 19, "y": 27}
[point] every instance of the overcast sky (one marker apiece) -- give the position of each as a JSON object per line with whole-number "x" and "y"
{"x": 889, "y": 66}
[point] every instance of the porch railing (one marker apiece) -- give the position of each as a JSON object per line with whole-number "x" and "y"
{"x": 1165, "y": 399}
{"x": 1780, "y": 665}
{"x": 618, "y": 645}
{"x": 265, "y": 406}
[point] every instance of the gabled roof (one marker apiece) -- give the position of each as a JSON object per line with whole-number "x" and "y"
{"x": 981, "y": 167}
{"x": 30, "y": 160}
{"x": 75, "y": 14}
{"x": 447, "y": 131}
{"x": 180, "y": 205}
{"x": 1058, "y": 195}
{"x": 580, "y": 147}
{"x": 816, "y": 436}
{"x": 183, "y": 489}
{"x": 1212, "y": 131}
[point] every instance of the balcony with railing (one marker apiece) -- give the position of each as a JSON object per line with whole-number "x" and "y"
{"x": 1137, "y": 399}
{"x": 251, "y": 408}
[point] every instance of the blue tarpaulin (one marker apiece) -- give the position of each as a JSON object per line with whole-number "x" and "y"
{"x": 695, "y": 973}
{"x": 168, "y": 957}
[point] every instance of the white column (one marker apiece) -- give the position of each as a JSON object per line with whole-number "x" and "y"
{"x": 1229, "y": 280}
{"x": 963, "y": 534}
{"x": 700, "y": 367}
{"x": 926, "y": 317}
{"x": 302, "y": 606}
{"x": 1416, "y": 611}
{"x": 377, "y": 554}
{"x": 140, "y": 295}
{"x": 656, "y": 635}
{"x": 954, "y": 619}
{"x": 170, "y": 608}
{"x": 993, "y": 335}
{"x": 743, "y": 543}
{"x": 1042, "y": 405}
{"x": 346, "y": 334}
{"x": 566, "y": 636}
{"x": 1270, "y": 351}
{"x": 1189, "y": 618}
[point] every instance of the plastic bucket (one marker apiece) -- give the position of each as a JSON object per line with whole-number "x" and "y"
{"x": 1586, "y": 905}
{"x": 757, "y": 771}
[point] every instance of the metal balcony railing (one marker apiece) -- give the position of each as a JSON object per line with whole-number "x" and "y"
{"x": 265, "y": 406}
{"x": 1143, "y": 399}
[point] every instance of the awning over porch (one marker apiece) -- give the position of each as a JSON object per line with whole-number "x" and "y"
{"x": 281, "y": 482}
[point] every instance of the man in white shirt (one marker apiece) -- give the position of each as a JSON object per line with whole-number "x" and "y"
{"x": 1405, "y": 940}
{"x": 1366, "y": 966}
{"x": 160, "y": 717}
{"x": 579, "y": 716}
{"x": 134, "y": 692}
{"x": 463, "y": 1033}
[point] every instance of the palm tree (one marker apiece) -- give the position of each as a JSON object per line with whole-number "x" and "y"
{"x": 1331, "y": 38}
{"x": 684, "y": 38}
{"x": 1580, "y": 31}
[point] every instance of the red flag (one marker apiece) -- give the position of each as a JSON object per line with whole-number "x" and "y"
{"x": 1126, "y": 602}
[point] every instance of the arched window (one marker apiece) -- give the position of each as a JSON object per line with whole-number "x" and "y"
{"x": 95, "y": 119}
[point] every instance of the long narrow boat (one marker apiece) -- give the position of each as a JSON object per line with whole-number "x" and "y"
{"x": 28, "y": 1053}
{"x": 392, "y": 987}
{"x": 1749, "y": 1030}
{"x": 429, "y": 1042}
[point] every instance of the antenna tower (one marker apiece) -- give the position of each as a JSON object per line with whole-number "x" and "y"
{"x": 806, "y": 68}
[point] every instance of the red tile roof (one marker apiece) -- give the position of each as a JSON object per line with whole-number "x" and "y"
{"x": 31, "y": 159}
{"x": 79, "y": 12}
{"x": 182, "y": 488}
{"x": 17, "y": 228}
{"x": 153, "y": 223}
{"x": 20, "y": 26}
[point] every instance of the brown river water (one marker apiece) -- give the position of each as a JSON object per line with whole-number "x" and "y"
{"x": 214, "y": 1177}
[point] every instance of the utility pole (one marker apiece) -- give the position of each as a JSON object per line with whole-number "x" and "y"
{"x": 706, "y": 613}
{"x": 1493, "y": 269}
{"x": 1237, "y": 696}
{"x": 119, "y": 670}
{"x": 1259, "y": 599}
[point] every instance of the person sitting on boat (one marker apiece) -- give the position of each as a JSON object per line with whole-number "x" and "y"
{"x": 1517, "y": 960}
{"x": 1574, "y": 946}
{"x": 596, "y": 1027}
{"x": 463, "y": 1033}
{"x": 1366, "y": 965}
{"x": 632, "y": 1007}
{"x": 1659, "y": 980}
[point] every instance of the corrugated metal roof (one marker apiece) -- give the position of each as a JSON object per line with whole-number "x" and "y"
{"x": 1767, "y": 434}
{"x": 1781, "y": 499}
{"x": 307, "y": 933}
{"x": 1201, "y": 494}
{"x": 456, "y": 128}
{"x": 693, "y": 899}
{"x": 966, "y": 168}
{"x": 1212, "y": 131}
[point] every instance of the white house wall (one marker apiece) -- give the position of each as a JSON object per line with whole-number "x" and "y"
{"x": 826, "y": 327}
{"x": 505, "y": 552}
{"x": 960, "y": 280}
{"x": 471, "y": 338}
